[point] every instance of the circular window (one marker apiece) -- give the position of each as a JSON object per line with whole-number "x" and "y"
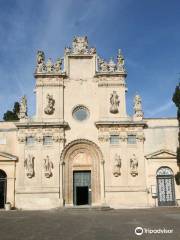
{"x": 80, "y": 113}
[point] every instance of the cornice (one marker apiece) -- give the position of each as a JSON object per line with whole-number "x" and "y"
{"x": 42, "y": 124}
{"x": 122, "y": 123}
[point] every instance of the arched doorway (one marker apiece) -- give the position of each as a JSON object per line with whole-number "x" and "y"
{"x": 165, "y": 187}
{"x": 82, "y": 173}
{"x": 3, "y": 185}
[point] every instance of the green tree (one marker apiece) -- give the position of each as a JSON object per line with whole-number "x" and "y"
{"x": 176, "y": 100}
{"x": 12, "y": 115}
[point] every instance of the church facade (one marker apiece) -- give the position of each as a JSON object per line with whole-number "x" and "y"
{"x": 81, "y": 147}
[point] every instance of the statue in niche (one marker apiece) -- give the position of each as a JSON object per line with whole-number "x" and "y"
{"x": 117, "y": 166}
{"x": 58, "y": 65}
{"x": 49, "y": 66}
{"x": 120, "y": 61}
{"x": 114, "y": 101}
{"x": 23, "y": 108}
{"x": 80, "y": 45}
{"x": 111, "y": 65}
{"x": 138, "y": 106}
{"x": 48, "y": 166}
{"x": 49, "y": 109}
{"x": 134, "y": 165}
{"x": 103, "y": 66}
{"x": 29, "y": 166}
{"x": 41, "y": 67}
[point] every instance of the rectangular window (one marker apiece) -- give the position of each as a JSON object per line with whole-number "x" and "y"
{"x": 30, "y": 140}
{"x": 131, "y": 139}
{"x": 2, "y": 141}
{"x": 47, "y": 140}
{"x": 114, "y": 139}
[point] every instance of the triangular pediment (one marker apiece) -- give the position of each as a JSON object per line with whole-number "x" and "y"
{"x": 7, "y": 157}
{"x": 161, "y": 154}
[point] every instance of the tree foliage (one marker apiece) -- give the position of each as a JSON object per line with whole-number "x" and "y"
{"x": 12, "y": 115}
{"x": 176, "y": 100}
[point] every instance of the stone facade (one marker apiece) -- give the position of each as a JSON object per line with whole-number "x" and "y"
{"x": 81, "y": 127}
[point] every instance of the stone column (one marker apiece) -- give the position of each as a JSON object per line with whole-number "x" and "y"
{"x": 103, "y": 202}
{"x": 61, "y": 195}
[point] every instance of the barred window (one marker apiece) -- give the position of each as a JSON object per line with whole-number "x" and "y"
{"x": 30, "y": 140}
{"x": 114, "y": 139}
{"x": 131, "y": 139}
{"x": 47, "y": 140}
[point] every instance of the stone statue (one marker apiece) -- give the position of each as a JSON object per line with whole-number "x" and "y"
{"x": 120, "y": 61}
{"x": 41, "y": 67}
{"x": 117, "y": 166}
{"x": 134, "y": 165}
{"x": 23, "y": 108}
{"x": 58, "y": 65}
{"x": 111, "y": 65}
{"x": 49, "y": 109}
{"x": 114, "y": 101}
{"x": 138, "y": 107}
{"x": 67, "y": 50}
{"x": 49, "y": 66}
{"x": 29, "y": 166}
{"x": 48, "y": 165}
{"x": 102, "y": 65}
{"x": 80, "y": 45}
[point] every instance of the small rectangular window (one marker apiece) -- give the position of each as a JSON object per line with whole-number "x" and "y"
{"x": 114, "y": 139}
{"x": 30, "y": 140}
{"x": 131, "y": 139}
{"x": 47, "y": 140}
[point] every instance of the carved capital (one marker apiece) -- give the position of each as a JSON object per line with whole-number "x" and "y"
{"x": 103, "y": 138}
{"x": 21, "y": 138}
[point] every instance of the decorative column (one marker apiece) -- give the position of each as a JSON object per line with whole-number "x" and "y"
{"x": 61, "y": 191}
{"x": 103, "y": 202}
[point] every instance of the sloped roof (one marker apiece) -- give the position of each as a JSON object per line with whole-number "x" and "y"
{"x": 7, "y": 157}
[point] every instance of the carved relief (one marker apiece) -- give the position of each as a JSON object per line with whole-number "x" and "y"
{"x": 29, "y": 166}
{"x": 123, "y": 137}
{"x": 138, "y": 113}
{"x": 48, "y": 166}
{"x": 134, "y": 166}
{"x": 80, "y": 46}
{"x": 49, "y": 109}
{"x": 103, "y": 138}
{"x": 114, "y": 101}
{"x": 23, "y": 108}
{"x": 117, "y": 166}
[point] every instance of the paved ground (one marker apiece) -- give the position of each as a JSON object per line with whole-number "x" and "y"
{"x": 88, "y": 224}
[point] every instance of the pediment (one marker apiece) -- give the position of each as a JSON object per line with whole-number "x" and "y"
{"x": 7, "y": 157}
{"x": 161, "y": 154}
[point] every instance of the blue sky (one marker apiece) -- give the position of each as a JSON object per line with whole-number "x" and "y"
{"x": 146, "y": 31}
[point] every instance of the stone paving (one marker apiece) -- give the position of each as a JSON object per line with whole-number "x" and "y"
{"x": 84, "y": 224}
